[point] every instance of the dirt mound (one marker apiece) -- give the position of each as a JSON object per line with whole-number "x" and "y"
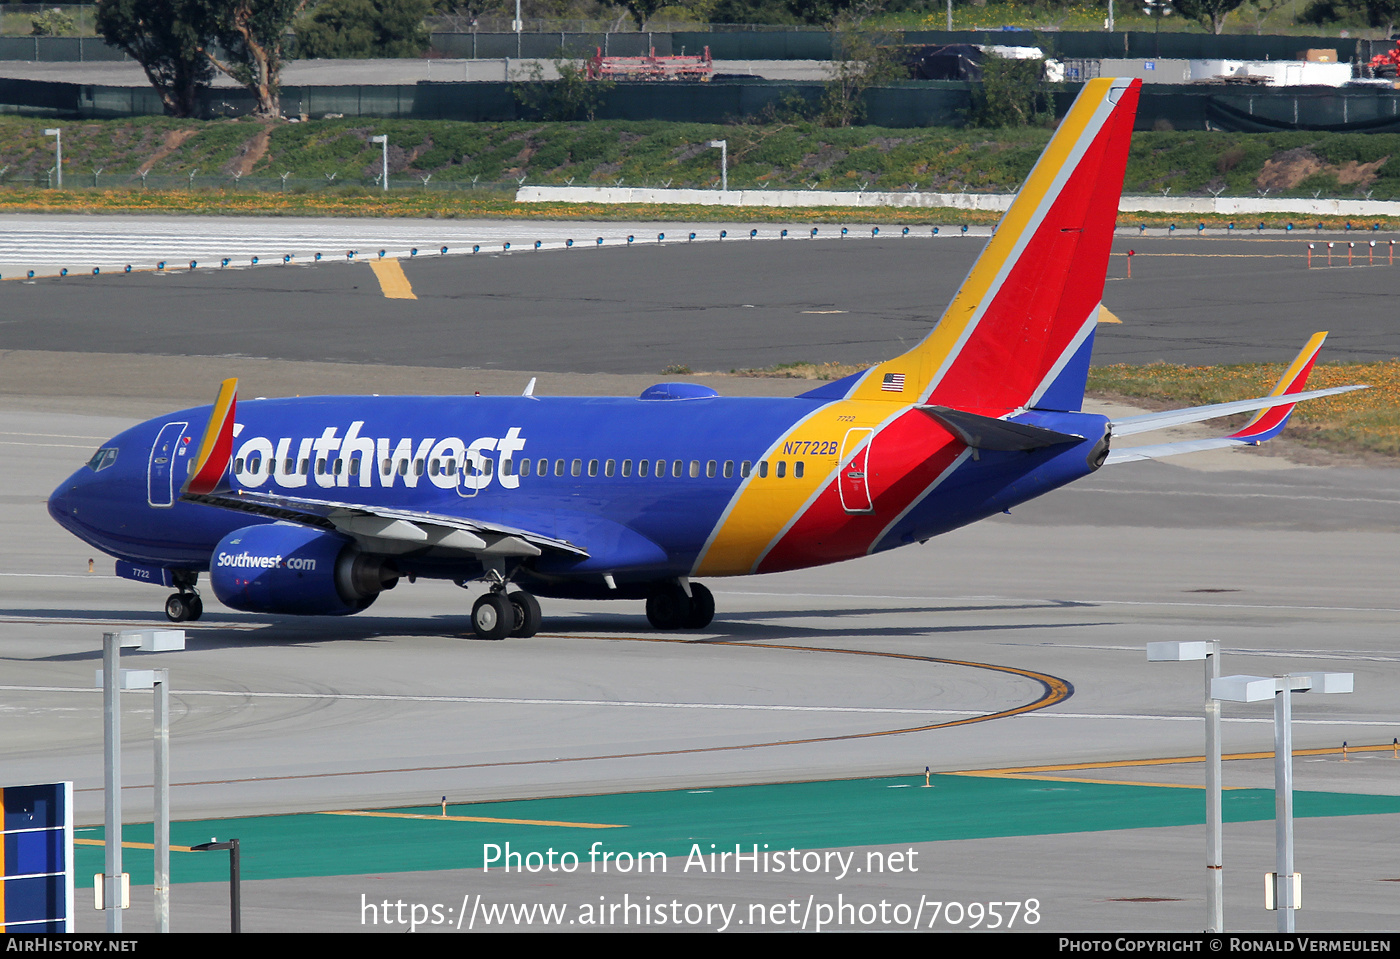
{"x": 1290, "y": 168}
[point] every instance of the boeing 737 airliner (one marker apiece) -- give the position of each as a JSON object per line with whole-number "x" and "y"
{"x": 316, "y": 505}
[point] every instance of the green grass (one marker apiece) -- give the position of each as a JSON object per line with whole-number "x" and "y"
{"x": 657, "y": 153}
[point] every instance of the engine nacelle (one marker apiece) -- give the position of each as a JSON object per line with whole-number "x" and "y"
{"x": 296, "y": 570}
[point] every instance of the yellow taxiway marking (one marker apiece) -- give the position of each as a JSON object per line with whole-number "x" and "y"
{"x": 1106, "y": 317}
{"x": 1077, "y": 779}
{"x": 1033, "y": 772}
{"x": 129, "y": 845}
{"x": 505, "y": 822}
{"x": 391, "y": 279}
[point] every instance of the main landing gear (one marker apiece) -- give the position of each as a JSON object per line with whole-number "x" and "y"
{"x": 184, "y": 606}
{"x": 670, "y": 608}
{"x": 499, "y": 614}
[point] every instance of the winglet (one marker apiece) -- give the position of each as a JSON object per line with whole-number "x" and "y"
{"x": 1267, "y": 423}
{"x": 216, "y": 448}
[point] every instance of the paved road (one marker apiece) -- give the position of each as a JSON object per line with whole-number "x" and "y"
{"x": 706, "y": 306}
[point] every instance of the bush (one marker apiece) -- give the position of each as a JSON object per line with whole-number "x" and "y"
{"x": 52, "y": 23}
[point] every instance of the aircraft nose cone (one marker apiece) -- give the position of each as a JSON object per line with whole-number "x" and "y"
{"x": 65, "y": 504}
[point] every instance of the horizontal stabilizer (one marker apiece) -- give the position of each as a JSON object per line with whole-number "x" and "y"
{"x": 1197, "y": 414}
{"x": 988, "y": 433}
{"x": 1133, "y": 454}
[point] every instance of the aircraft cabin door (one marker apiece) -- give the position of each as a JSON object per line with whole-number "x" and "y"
{"x": 853, "y": 482}
{"x": 166, "y": 452}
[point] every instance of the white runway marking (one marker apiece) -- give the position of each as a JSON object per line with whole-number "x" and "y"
{"x": 756, "y": 707}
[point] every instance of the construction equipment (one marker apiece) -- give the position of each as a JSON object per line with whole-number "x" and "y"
{"x": 651, "y": 67}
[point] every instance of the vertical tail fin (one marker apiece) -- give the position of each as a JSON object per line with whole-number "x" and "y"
{"x": 216, "y": 448}
{"x": 1020, "y": 328}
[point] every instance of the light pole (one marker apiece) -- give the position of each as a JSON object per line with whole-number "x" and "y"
{"x": 112, "y": 678}
{"x": 57, "y": 134}
{"x": 1215, "y": 866}
{"x": 1283, "y": 889}
{"x": 1110, "y": 16}
{"x": 1157, "y": 9}
{"x": 723, "y": 147}
{"x": 383, "y": 139}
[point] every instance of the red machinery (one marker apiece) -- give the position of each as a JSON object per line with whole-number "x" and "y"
{"x": 1386, "y": 64}
{"x": 651, "y": 67}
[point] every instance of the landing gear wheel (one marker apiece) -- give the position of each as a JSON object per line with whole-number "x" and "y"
{"x": 527, "y": 613}
{"x": 702, "y": 608}
{"x": 493, "y": 616}
{"x": 183, "y": 606}
{"x": 668, "y": 607}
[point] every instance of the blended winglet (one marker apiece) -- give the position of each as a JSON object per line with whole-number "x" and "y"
{"x": 216, "y": 448}
{"x": 1267, "y": 423}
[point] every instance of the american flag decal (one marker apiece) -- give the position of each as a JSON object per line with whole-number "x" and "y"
{"x": 893, "y": 383}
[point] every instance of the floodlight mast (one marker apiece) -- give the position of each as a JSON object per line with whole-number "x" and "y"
{"x": 723, "y": 147}
{"x": 1209, "y": 652}
{"x": 383, "y": 139}
{"x": 1284, "y": 888}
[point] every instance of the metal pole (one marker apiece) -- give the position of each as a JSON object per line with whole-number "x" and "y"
{"x": 162, "y": 782}
{"x": 1283, "y": 805}
{"x": 58, "y": 147}
{"x": 386, "y": 160}
{"x": 1215, "y": 867}
{"x": 112, "y": 746}
{"x": 724, "y": 166}
{"x": 235, "y": 898}
{"x": 950, "y": 16}
{"x": 1110, "y": 16}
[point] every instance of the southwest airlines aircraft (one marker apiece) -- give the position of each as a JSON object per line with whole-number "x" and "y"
{"x": 316, "y": 505}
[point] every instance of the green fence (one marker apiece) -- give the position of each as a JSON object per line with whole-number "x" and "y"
{"x": 912, "y": 104}
{"x": 784, "y": 45}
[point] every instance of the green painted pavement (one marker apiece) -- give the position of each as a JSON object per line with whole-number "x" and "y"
{"x": 819, "y": 815}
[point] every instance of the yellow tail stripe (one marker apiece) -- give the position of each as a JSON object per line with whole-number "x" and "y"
{"x": 392, "y": 280}
{"x": 222, "y": 404}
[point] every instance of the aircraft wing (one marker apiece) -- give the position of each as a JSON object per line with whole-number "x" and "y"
{"x": 1273, "y": 414}
{"x": 387, "y": 530}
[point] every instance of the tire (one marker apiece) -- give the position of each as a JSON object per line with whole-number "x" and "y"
{"x": 527, "y": 614}
{"x": 702, "y": 607}
{"x": 196, "y": 606}
{"x": 493, "y": 617}
{"x": 177, "y": 610}
{"x": 668, "y": 607}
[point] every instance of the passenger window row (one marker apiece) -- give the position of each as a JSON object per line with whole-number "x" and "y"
{"x": 676, "y": 469}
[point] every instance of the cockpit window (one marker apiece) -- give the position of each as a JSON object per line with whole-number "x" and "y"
{"x": 102, "y": 459}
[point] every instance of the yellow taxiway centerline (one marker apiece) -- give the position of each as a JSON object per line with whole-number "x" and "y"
{"x": 391, "y": 279}
{"x": 506, "y": 822}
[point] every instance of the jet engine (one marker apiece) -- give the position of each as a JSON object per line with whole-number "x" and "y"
{"x": 296, "y": 570}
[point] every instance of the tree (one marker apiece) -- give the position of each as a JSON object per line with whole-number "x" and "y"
{"x": 1211, "y": 13}
{"x": 1011, "y": 94}
{"x": 860, "y": 59}
{"x": 167, "y": 37}
{"x": 251, "y": 33}
{"x": 364, "y": 28}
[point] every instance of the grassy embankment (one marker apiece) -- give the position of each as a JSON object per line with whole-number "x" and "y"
{"x": 445, "y": 169}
